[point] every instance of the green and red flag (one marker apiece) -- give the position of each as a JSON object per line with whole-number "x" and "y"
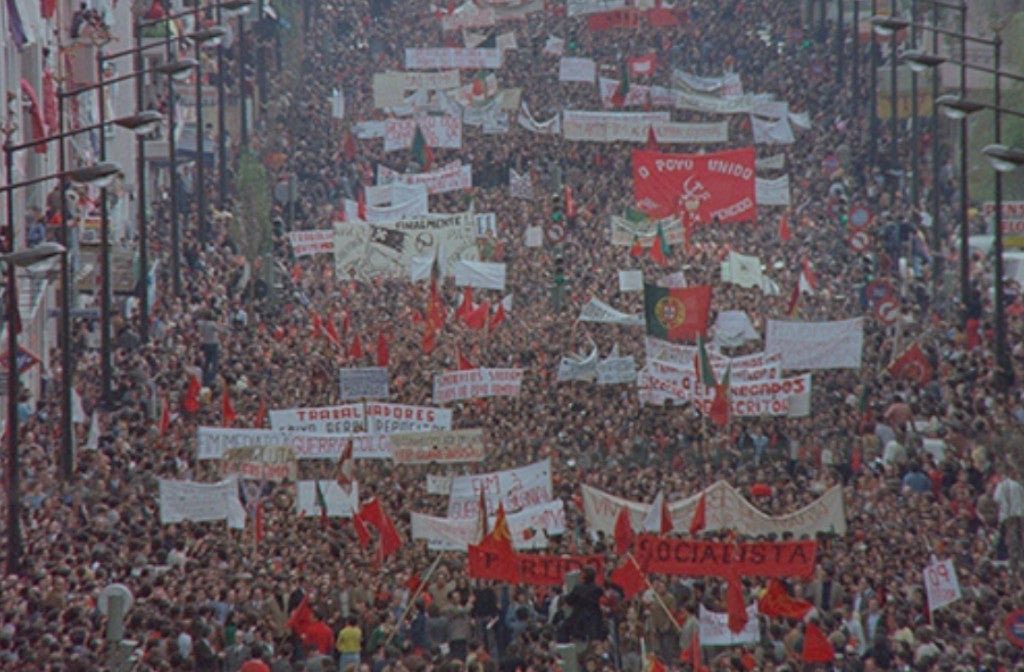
{"x": 619, "y": 97}
{"x": 676, "y": 313}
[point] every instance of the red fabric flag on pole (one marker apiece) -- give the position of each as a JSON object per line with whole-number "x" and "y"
{"x": 692, "y": 655}
{"x": 361, "y": 203}
{"x": 355, "y": 350}
{"x": 912, "y": 365}
{"x": 331, "y": 332}
{"x": 777, "y": 602}
{"x": 784, "y": 233}
{"x": 463, "y": 362}
{"x": 316, "y": 327}
{"x": 736, "y": 608}
{"x": 629, "y": 577}
{"x": 570, "y": 203}
{"x": 720, "y": 404}
{"x": 190, "y": 404}
{"x": 227, "y": 409}
{"x": 383, "y": 354}
{"x": 260, "y": 421}
{"x": 373, "y": 513}
{"x": 466, "y": 304}
{"x": 658, "y": 249}
{"x": 477, "y": 318}
{"x": 624, "y": 534}
{"x": 699, "y": 520}
{"x": 817, "y": 648}
{"x": 637, "y": 250}
{"x": 497, "y": 317}
{"x": 349, "y": 146}
{"x": 495, "y": 556}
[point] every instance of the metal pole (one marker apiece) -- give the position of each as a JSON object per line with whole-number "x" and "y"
{"x": 856, "y": 58}
{"x": 840, "y": 42}
{"x": 938, "y": 224}
{"x": 222, "y": 145}
{"x": 140, "y": 177}
{"x": 172, "y": 151}
{"x": 200, "y": 182}
{"x": 915, "y": 163}
{"x": 106, "y": 369}
{"x": 243, "y": 100}
{"x": 822, "y": 25}
{"x": 965, "y": 230}
{"x": 1004, "y": 366}
{"x": 13, "y": 459}
{"x": 67, "y": 438}
{"x": 894, "y": 121}
{"x": 873, "y": 127}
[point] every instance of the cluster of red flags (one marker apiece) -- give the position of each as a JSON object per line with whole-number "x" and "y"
{"x": 372, "y": 513}
{"x": 323, "y": 327}
{"x": 659, "y": 249}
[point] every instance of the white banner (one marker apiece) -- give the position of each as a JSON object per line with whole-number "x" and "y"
{"x": 476, "y": 384}
{"x": 438, "y": 58}
{"x": 448, "y": 447}
{"x": 583, "y": 7}
{"x": 201, "y": 502}
{"x": 416, "y": 206}
{"x": 367, "y": 382}
{"x": 444, "y": 132}
{"x": 213, "y": 442}
{"x": 772, "y": 132}
{"x": 389, "y": 87}
{"x": 745, "y": 369}
{"x": 530, "y": 528}
{"x": 576, "y": 69}
{"x": 468, "y": 15}
{"x": 602, "y": 126}
{"x": 774, "y": 162}
{"x": 744, "y": 104}
{"x": 453, "y": 177}
{"x": 388, "y": 418}
{"x": 576, "y": 367}
{"x": 480, "y": 274}
{"x": 772, "y": 192}
{"x": 552, "y": 126}
{"x": 616, "y": 370}
{"x": 631, "y": 281}
{"x": 533, "y": 237}
{"x": 308, "y": 243}
{"x": 733, "y": 328}
{"x": 343, "y": 419}
{"x": 439, "y": 484}
{"x": 339, "y": 504}
{"x": 726, "y": 84}
{"x": 393, "y": 194}
{"x": 517, "y": 489}
{"x": 368, "y": 251}
{"x": 941, "y": 584}
{"x": 599, "y": 311}
{"x": 368, "y": 130}
{"x": 520, "y": 186}
{"x": 337, "y": 104}
{"x": 714, "y": 628}
{"x": 782, "y": 397}
{"x": 625, "y": 232}
{"x": 554, "y": 46}
{"x": 817, "y": 345}
{"x": 725, "y": 509}
{"x": 743, "y": 270}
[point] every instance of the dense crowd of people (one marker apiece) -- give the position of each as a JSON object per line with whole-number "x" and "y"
{"x": 209, "y": 598}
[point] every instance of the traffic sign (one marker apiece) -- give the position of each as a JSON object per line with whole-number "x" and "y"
{"x": 1014, "y": 624}
{"x": 556, "y": 232}
{"x": 860, "y": 216}
{"x": 879, "y": 290}
{"x": 859, "y": 240}
{"x": 888, "y": 310}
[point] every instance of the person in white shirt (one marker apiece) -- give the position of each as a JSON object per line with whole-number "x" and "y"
{"x": 1009, "y": 497}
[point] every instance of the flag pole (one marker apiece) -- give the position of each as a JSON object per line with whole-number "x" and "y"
{"x": 664, "y": 606}
{"x": 412, "y": 599}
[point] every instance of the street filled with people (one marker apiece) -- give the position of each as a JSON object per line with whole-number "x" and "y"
{"x": 895, "y": 461}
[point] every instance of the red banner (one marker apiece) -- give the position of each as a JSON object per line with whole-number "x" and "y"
{"x": 627, "y": 17}
{"x": 686, "y": 557}
{"x": 719, "y": 184}
{"x": 534, "y": 570}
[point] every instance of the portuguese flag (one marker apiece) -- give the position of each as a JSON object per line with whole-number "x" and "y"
{"x": 677, "y": 313}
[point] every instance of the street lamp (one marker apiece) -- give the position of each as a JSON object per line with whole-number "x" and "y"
{"x": 887, "y": 26}
{"x": 1004, "y": 159}
{"x": 922, "y": 61}
{"x": 958, "y": 108}
{"x": 14, "y": 259}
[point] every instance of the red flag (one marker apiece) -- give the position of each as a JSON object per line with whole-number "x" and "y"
{"x": 349, "y": 146}
{"x": 361, "y": 204}
{"x": 497, "y": 317}
{"x": 912, "y": 365}
{"x": 477, "y": 318}
{"x": 463, "y": 362}
{"x": 331, "y": 333}
{"x": 190, "y": 404}
{"x": 691, "y": 654}
{"x": 624, "y": 535}
{"x": 654, "y": 664}
{"x": 495, "y": 553}
{"x": 570, "y": 203}
{"x": 777, "y": 602}
{"x": 658, "y": 252}
{"x": 258, "y": 526}
{"x": 637, "y": 250}
{"x": 361, "y": 532}
{"x": 652, "y": 140}
{"x": 466, "y": 305}
{"x": 355, "y": 350}
{"x": 227, "y": 409}
{"x": 165, "y": 417}
{"x": 346, "y": 323}
{"x": 346, "y": 469}
{"x": 808, "y": 275}
{"x": 817, "y": 648}
{"x": 629, "y": 577}
{"x": 720, "y": 404}
{"x": 373, "y": 513}
{"x": 735, "y": 606}
{"x": 383, "y": 354}
{"x": 699, "y": 520}
{"x": 784, "y": 233}
{"x": 429, "y": 340}
{"x": 261, "y": 415}
{"x": 794, "y": 300}
{"x": 316, "y": 326}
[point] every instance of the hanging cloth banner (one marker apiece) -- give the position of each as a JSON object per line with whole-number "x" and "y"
{"x": 689, "y": 557}
{"x": 534, "y": 570}
{"x": 438, "y": 58}
{"x": 772, "y": 191}
{"x": 721, "y": 183}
